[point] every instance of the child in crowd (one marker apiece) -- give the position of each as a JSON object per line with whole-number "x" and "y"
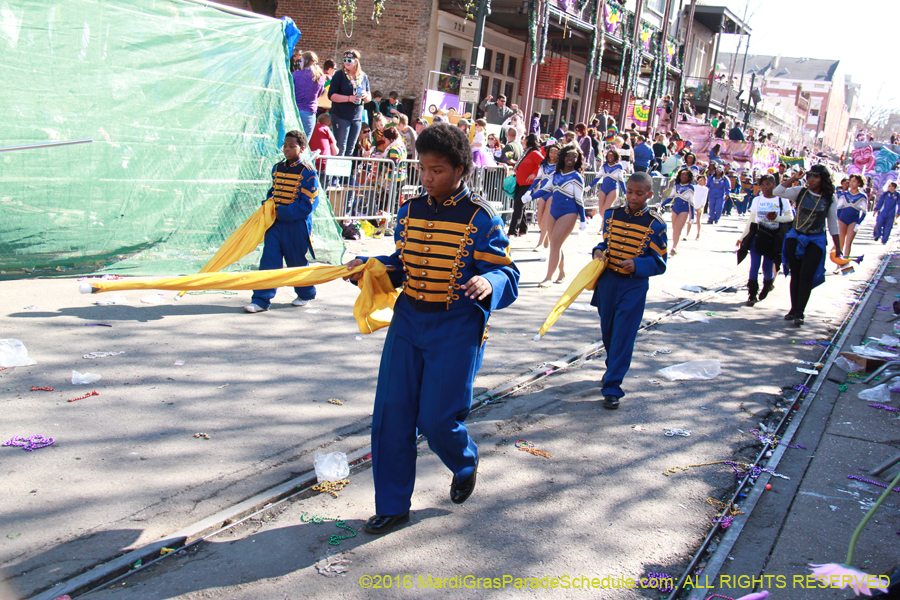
{"x": 634, "y": 244}
{"x": 452, "y": 263}
{"x": 295, "y": 189}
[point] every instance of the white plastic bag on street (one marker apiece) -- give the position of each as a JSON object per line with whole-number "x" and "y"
{"x": 153, "y": 299}
{"x": 847, "y": 365}
{"x": 14, "y": 354}
{"x": 694, "y": 316}
{"x": 331, "y": 467}
{"x": 695, "y": 369}
{"x": 84, "y": 378}
{"x": 870, "y": 352}
{"x": 879, "y": 393}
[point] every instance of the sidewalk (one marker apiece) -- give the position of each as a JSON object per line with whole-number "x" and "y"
{"x": 811, "y": 518}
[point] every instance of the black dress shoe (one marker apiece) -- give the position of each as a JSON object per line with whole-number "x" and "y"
{"x": 798, "y": 321}
{"x": 460, "y": 491}
{"x": 379, "y": 524}
{"x": 610, "y": 402}
{"x": 790, "y": 316}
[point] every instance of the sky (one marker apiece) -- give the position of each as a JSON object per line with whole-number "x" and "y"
{"x": 862, "y": 34}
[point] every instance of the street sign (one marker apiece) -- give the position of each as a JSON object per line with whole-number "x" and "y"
{"x": 469, "y": 88}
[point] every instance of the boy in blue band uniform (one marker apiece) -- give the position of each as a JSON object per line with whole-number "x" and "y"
{"x": 295, "y": 188}
{"x": 635, "y": 246}
{"x": 453, "y": 265}
{"x": 886, "y": 212}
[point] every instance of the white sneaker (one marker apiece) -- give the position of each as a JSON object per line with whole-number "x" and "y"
{"x": 254, "y": 308}
{"x": 298, "y": 302}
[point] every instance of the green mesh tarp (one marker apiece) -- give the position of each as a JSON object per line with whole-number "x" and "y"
{"x": 187, "y": 106}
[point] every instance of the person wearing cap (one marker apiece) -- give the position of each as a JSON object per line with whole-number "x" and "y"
{"x": 886, "y": 212}
{"x": 495, "y": 113}
{"x": 719, "y": 188}
{"x": 464, "y": 126}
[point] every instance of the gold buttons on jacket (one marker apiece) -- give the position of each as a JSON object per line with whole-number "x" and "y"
{"x": 430, "y": 224}
{"x": 428, "y": 236}
{"x": 424, "y": 273}
{"x": 426, "y": 249}
{"x": 421, "y": 285}
{"x": 421, "y": 297}
{"x": 424, "y": 262}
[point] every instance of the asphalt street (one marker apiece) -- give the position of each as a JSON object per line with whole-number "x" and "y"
{"x": 127, "y": 469}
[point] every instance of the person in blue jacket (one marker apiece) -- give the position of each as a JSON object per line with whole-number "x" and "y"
{"x": 886, "y": 212}
{"x": 634, "y": 243}
{"x": 453, "y": 267}
{"x": 719, "y": 189}
{"x": 642, "y": 154}
{"x": 295, "y": 188}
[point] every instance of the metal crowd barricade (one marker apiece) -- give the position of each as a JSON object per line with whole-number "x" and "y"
{"x": 489, "y": 184}
{"x": 360, "y": 188}
{"x": 590, "y": 199}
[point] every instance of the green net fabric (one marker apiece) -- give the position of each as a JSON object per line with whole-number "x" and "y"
{"x": 187, "y": 106}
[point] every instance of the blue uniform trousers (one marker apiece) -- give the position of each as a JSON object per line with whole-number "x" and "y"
{"x": 425, "y": 381}
{"x": 715, "y": 209}
{"x": 883, "y": 225}
{"x": 284, "y": 243}
{"x": 620, "y": 302}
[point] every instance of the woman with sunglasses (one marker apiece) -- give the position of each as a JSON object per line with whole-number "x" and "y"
{"x": 348, "y": 91}
{"x": 805, "y": 244}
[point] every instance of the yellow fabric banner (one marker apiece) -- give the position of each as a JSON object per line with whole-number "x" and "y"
{"x": 245, "y": 238}
{"x": 243, "y": 241}
{"x": 376, "y": 290}
{"x": 585, "y": 280}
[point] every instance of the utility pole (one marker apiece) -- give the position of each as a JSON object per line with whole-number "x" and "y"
{"x": 665, "y": 37}
{"x": 749, "y": 98}
{"x": 482, "y": 12}
{"x": 688, "y": 55}
{"x": 638, "y": 56}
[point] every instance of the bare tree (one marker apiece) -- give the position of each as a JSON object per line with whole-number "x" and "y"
{"x": 879, "y": 118}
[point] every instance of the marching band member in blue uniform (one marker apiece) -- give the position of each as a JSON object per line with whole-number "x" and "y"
{"x": 295, "y": 188}
{"x": 851, "y": 211}
{"x": 886, "y": 212}
{"x": 544, "y": 176}
{"x": 690, "y": 162}
{"x": 719, "y": 189}
{"x": 610, "y": 178}
{"x": 566, "y": 203}
{"x": 635, "y": 245}
{"x": 682, "y": 199}
{"x": 452, "y": 262}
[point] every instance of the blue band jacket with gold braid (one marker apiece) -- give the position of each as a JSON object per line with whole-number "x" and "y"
{"x": 442, "y": 244}
{"x": 295, "y": 189}
{"x": 640, "y": 236}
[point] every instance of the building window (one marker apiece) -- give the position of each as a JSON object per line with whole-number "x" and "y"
{"x": 511, "y": 67}
{"x": 814, "y": 112}
{"x": 488, "y": 59}
{"x": 495, "y": 88}
{"x": 452, "y": 60}
{"x": 508, "y": 91}
{"x": 657, "y": 6}
{"x": 498, "y": 63}
{"x": 574, "y": 114}
{"x": 576, "y": 88}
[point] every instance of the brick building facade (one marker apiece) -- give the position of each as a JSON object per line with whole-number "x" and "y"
{"x": 394, "y": 51}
